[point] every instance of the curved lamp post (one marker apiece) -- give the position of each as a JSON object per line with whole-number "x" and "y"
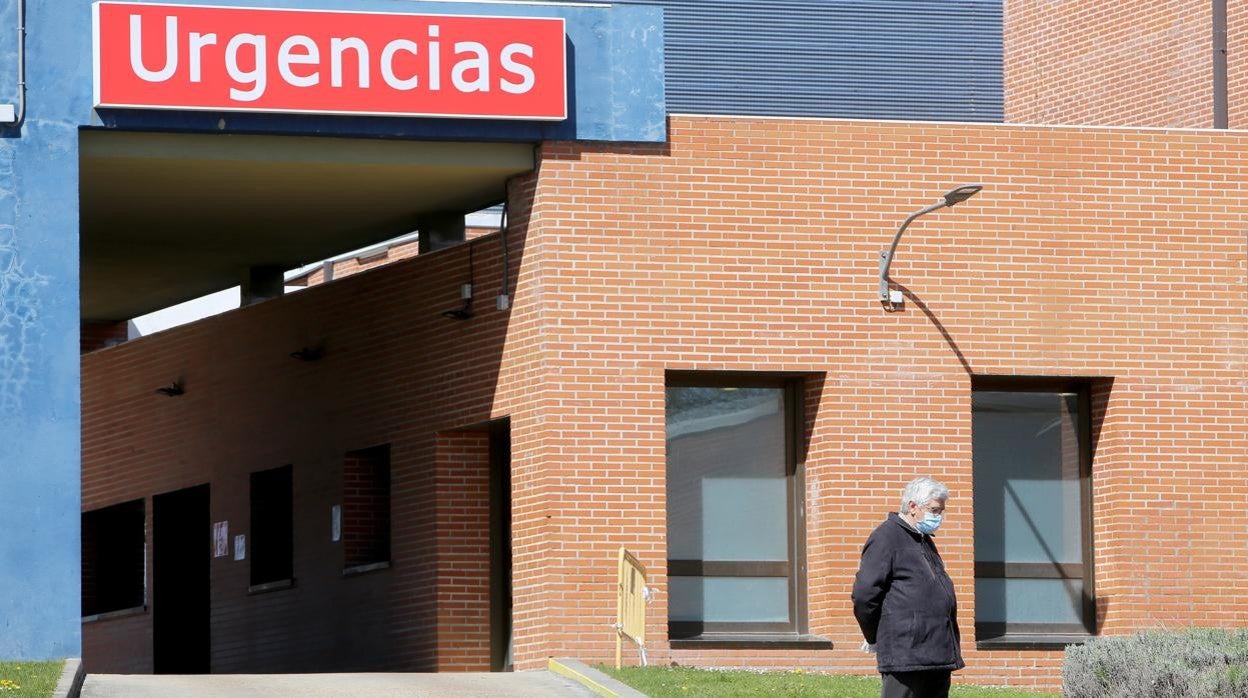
{"x": 951, "y": 198}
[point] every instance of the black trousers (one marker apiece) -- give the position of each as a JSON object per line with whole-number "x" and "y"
{"x": 916, "y": 684}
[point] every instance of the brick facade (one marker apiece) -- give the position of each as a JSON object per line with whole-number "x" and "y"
{"x": 1103, "y": 62}
{"x": 463, "y": 577}
{"x": 380, "y": 256}
{"x": 743, "y": 245}
{"x": 366, "y": 507}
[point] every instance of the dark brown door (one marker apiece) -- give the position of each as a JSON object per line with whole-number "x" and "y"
{"x": 181, "y": 554}
{"x": 500, "y": 546}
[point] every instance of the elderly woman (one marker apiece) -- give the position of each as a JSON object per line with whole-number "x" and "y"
{"x": 904, "y": 600}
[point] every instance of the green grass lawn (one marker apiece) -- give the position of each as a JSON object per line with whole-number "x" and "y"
{"x": 29, "y": 679}
{"x": 661, "y": 682}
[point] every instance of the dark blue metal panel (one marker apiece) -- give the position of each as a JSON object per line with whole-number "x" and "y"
{"x": 871, "y": 59}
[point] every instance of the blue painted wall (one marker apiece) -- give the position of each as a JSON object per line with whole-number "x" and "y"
{"x": 39, "y": 409}
{"x": 616, "y": 66}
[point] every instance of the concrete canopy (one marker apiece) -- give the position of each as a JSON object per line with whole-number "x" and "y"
{"x": 167, "y": 217}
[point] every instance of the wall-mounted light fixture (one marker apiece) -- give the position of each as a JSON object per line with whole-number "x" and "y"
{"x": 464, "y": 312}
{"x": 891, "y": 299}
{"x": 174, "y": 389}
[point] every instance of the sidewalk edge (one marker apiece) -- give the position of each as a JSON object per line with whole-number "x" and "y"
{"x": 593, "y": 679}
{"x": 70, "y": 683}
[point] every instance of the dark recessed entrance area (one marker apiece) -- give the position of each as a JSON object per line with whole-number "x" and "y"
{"x": 181, "y": 600}
{"x": 309, "y": 582}
{"x": 500, "y": 547}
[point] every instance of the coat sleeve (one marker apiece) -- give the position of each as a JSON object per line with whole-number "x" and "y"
{"x": 875, "y": 572}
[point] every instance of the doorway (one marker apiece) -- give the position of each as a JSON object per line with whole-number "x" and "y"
{"x": 181, "y": 602}
{"x": 500, "y": 547}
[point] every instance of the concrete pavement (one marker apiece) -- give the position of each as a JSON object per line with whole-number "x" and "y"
{"x": 528, "y": 684}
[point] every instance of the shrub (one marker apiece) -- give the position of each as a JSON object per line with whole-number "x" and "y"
{"x": 1198, "y": 663}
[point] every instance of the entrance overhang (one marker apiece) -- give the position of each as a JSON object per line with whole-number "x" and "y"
{"x": 167, "y": 217}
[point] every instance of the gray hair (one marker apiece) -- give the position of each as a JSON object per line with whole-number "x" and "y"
{"x": 922, "y": 490}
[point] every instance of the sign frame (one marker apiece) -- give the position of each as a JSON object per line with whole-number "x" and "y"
{"x": 96, "y": 67}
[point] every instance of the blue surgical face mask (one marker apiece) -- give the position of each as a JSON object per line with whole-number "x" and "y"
{"x": 930, "y": 523}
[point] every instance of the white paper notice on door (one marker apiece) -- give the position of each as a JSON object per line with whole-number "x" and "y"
{"x": 220, "y": 538}
{"x": 240, "y": 547}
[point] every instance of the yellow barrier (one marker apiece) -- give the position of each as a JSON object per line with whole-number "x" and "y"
{"x": 630, "y": 617}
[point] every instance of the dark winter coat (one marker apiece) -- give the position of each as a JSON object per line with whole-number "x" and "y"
{"x": 904, "y": 601}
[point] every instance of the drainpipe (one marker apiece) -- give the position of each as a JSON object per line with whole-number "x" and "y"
{"x": 7, "y": 113}
{"x": 504, "y": 294}
{"x": 1220, "y": 118}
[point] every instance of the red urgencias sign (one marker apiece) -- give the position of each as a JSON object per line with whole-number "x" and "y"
{"x": 272, "y": 60}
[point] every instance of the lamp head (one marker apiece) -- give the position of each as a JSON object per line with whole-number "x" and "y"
{"x": 174, "y": 389}
{"x": 962, "y": 193}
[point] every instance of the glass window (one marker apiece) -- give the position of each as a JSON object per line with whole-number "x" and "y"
{"x": 729, "y": 599}
{"x": 730, "y": 520}
{"x": 272, "y": 540}
{"x": 113, "y": 558}
{"x": 1032, "y": 453}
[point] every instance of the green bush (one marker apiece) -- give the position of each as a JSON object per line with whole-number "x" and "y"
{"x": 1199, "y": 663}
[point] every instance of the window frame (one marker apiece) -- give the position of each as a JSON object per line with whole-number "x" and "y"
{"x": 988, "y": 634}
{"x": 794, "y": 387}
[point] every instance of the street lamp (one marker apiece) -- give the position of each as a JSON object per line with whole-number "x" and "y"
{"x": 951, "y": 198}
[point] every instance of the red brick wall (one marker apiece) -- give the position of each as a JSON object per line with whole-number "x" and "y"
{"x": 463, "y": 497}
{"x": 366, "y": 506}
{"x": 1110, "y": 62}
{"x": 749, "y": 245}
{"x": 395, "y": 253}
{"x": 752, "y": 245}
